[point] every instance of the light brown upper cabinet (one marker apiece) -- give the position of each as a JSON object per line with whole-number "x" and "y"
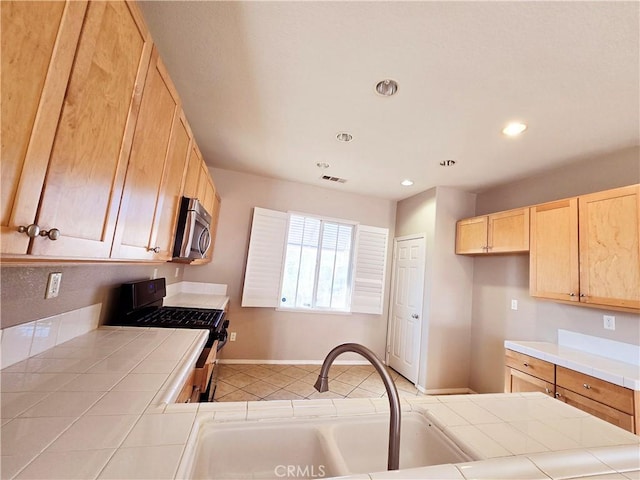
{"x": 154, "y": 171}
{"x": 502, "y": 232}
{"x": 38, "y": 44}
{"x": 586, "y": 249}
{"x": 85, "y": 157}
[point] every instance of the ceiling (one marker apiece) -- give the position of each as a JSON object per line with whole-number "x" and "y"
{"x": 268, "y": 85}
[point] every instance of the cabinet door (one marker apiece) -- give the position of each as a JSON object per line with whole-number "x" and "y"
{"x": 471, "y": 235}
{"x": 169, "y": 204}
{"x": 88, "y": 161}
{"x": 192, "y": 174}
{"x": 553, "y": 261}
{"x": 509, "y": 231}
{"x": 600, "y": 410}
{"x": 517, "y": 382}
{"x": 141, "y": 204}
{"x": 609, "y": 247}
{"x": 205, "y": 186}
{"x": 38, "y": 44}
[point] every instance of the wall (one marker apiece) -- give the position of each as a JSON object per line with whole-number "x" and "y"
{"x": 497, "y": 280}
{"x": 23, "y": 287}
{"x": 264, "y": 333}
{"x": 446, "y": 315}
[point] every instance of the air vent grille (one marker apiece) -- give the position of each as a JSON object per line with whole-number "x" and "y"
{"x": 329, "y": 178}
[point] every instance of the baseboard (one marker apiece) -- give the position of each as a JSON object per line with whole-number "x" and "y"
{"x": 446, "y": 391}
{"x": 232, "y": 361}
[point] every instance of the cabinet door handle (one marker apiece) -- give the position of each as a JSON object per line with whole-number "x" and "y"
{"x": 587, "y": 386}
{"x": 33, "y": 231}
{"x": 154, "y": 249}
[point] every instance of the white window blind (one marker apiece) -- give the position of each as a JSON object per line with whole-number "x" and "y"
{"x": 370, "y": 269}
{"x": 265, "y": 259}
{"x": 350, "y": 276}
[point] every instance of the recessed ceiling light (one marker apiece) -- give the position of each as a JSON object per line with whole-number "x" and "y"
{"x": 387, "y": 87}
{"x": 344, "y": 137}
{"x": 514, "y": 129}
{"x": 322, "y": 165}
{"x": 406, "y": 183}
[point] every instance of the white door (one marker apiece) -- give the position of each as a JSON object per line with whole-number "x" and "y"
{"x": 406, "y": 306}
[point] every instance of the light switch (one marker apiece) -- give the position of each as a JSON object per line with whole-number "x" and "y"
{"x": 514, "y": 304}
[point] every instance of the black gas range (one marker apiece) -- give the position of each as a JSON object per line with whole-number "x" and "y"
{"x": 140, "y": 305}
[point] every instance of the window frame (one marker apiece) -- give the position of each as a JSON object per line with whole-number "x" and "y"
{"x": 352, "y": 265}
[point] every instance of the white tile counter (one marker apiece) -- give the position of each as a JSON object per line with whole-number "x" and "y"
{"x": 96, "y": 407}
{"x": 616, "y": 362}
{"x": 197, "y": 295}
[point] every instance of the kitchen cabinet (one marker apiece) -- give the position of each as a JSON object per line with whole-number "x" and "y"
{"x": 612, "y": 403}
{"x": 38, "y": 44}
{"x": 585, "y": 249}
{"x": 85, "y": 158}
{"x": 502, "y": 232}
{"x": 199, "y": 378}
{"x": 607, "y": 401}
{"x": 192, "y": 174}
{"x": 528, "y": 374}
{"x": 154, "y": 171}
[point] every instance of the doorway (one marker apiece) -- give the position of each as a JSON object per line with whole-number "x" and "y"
{"x": 405, "y": 312}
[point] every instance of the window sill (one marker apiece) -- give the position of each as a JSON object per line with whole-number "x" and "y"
{"x": 314, "y": 311}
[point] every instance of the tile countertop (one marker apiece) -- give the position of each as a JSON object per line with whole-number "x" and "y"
{"x": 196, "y": 300}
{"x": 99, "y": 406}
{"x": 614, "y": 371}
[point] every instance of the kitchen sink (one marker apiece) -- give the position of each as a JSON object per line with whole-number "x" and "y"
{"x": 312, "y": 448}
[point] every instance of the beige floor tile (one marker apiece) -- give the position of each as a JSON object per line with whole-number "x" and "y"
{"x": 276, "y": 367}
{"x": 238, "y": 396}
{"x": 283, "y": 395}
{"x": 340, "y": 387}
{"x": 310, "y": 368}
{"x": 350, "y": 377}
{"x": 362, "y": 393}
{"x": 223, "y": 388}
{"x": 295, "y": 372}
{"x": 374, "y": 385}
{"x": 258, "y": 371}
{"x": 261, "y": 389}
{"x": 310, "y": 378}
{"x": 300, "y": 388}
{"x": 279, "y": 380}
{"x": 240, "y": 380}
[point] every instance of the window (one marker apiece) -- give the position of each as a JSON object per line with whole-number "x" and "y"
{"x": 314, "y": 263}
{"x": 317, "y": 266}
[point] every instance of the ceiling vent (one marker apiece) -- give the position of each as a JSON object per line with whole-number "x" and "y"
{"x": 329, "y": 178}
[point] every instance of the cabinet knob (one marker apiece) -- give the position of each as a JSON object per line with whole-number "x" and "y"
{"x": 526, "y": 364}
{"x": 52, "y": 234}
{"x": 31, "y": 231}
{"x": 558, "y": 395}
{"x": 587, "y": 386}
{"x": 582, "y": 295}
{"x": 547, "y": 391}
{"x": 572, "y": 294}
{"x": 154, "y": 249}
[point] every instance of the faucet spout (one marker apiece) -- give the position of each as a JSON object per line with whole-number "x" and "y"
{"x": 322, "y": 385}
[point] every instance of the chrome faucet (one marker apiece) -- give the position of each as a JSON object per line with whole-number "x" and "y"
{"x": 322, "y": 385}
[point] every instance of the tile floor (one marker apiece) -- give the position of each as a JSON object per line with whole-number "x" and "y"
{"x": 242, "y": 382}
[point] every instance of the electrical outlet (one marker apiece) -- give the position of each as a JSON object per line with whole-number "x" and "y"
{"x": 232, "y": 337}
{"x": 609, "y": 322}
{"x": 53, "y": 285}
{"x": 514, "y": 304}
{"x": 177, "y": 272}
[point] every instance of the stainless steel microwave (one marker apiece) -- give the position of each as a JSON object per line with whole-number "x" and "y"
{"x": 193, "y": 236}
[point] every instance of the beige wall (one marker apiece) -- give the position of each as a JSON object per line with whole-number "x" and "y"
{"x": 22, "y": 288}
{"x": 446, "y": 315}
{"x": 264, "y": 333}
{"x": 498, "y": 280}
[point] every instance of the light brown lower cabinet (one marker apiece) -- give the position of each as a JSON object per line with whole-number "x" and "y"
{"x": 198, "y": 380}
{"x": 612, "y": 403}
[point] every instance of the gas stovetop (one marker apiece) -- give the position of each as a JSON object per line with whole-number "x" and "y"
{"x": 178, "y": 317}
